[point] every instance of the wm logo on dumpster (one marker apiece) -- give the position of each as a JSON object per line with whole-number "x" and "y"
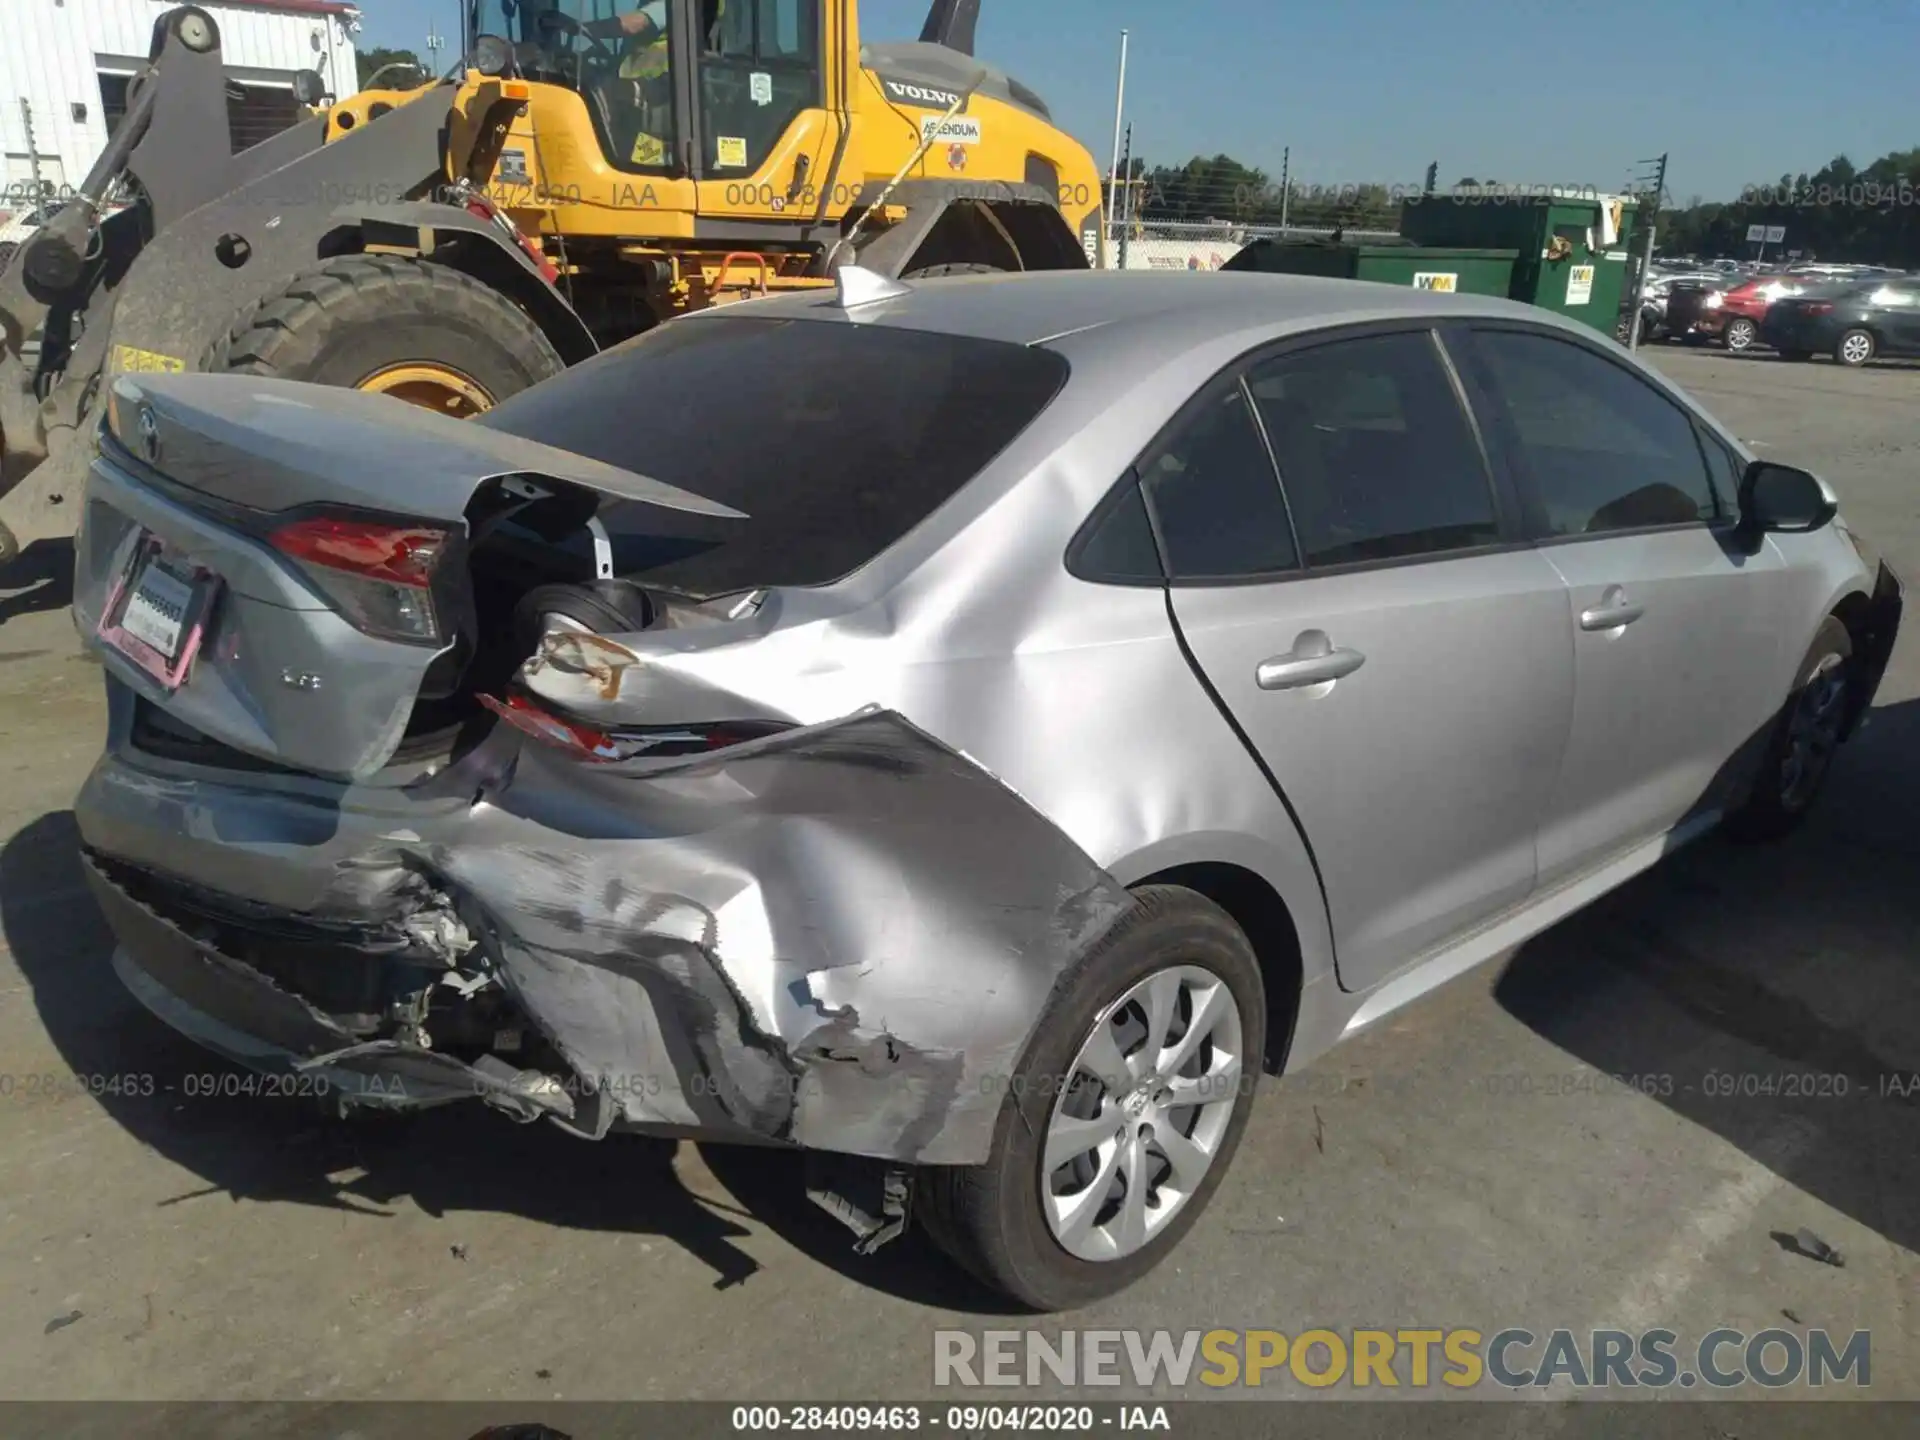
{"x": 1436, "y": 280}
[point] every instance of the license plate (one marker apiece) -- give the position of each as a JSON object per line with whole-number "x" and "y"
{"x": 157, "y": 608}
{"x": 157, "y": 615}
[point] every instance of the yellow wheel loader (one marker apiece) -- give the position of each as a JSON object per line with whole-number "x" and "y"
{"x": 593, "y": 168}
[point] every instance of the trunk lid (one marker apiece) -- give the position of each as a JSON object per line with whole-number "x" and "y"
{"x": 223, "y": 567}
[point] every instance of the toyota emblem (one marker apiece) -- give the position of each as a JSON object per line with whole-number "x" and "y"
{"x": 149, "y": 435}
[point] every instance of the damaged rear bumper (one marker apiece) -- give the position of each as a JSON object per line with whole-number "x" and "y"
{"x": 841, "y": 937}
{"x": 235, "y": 1010}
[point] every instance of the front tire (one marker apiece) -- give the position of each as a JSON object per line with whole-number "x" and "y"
{"x": 1855, "y": 349}
{"x": 1093, "y": 1181}
{"x": 1799, "y": 755}
{"x": 420, "y": 332}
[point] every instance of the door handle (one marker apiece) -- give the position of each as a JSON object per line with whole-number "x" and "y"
{"x": 1611, "y": 617}
{"x": 1296, "y": 671}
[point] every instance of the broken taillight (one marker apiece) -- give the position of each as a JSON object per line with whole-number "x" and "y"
{"x": 379, "y": 574}
{"x": 600, "y": 747}
{"x": 583, "y": 742}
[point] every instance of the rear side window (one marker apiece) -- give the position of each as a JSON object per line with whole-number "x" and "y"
{"x": 1215, "y": 496}
{"x": 1117, "y": 547}
{"x": 834, "y": 439}
{"x": 1375, "y": 451}
{"x": 1600, "y": 449}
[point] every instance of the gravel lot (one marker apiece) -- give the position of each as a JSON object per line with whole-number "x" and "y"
{"x": 174, "y": 1246}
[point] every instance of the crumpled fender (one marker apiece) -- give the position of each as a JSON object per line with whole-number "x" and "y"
{"x": 841, "y": 936}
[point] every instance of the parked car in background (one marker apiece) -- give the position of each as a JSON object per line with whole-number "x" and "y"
{"x": 15, "y": 230}
{"x": 1853, "y": 323}
{"x": 1690, "y": 303}
{"x": 1731, "y": 309}
{"x": 976, "y": 737}
{"x": 1653, "y": 310}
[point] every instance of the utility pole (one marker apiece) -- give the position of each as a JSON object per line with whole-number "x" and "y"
{"x": 1286, "y": 186}
{"x": 1126, "y": 203}
{"x": 33, "y": 150}
{"x": 1651, "y": 208}
{"x": 1119, "y": 110}
{"x": 435, "y": 41}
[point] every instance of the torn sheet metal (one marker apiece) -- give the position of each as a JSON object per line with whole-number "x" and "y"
{"x": 841, "y": 936}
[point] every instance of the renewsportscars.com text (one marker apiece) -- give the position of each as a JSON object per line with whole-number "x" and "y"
{"x": 1513, "y": 1358}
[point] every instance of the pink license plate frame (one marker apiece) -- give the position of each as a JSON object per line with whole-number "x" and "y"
{"x": 170, "y": 672}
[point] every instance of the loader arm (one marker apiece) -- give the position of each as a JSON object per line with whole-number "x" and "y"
{"x": 214, "y": 235}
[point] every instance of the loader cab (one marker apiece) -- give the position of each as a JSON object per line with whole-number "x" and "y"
{"x": 711, "y": 90}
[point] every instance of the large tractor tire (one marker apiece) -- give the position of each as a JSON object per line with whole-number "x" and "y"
{"x": 420, "y": 332}
{"x": 942, "y": 272}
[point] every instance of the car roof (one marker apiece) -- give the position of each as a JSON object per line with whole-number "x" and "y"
{"x": 1042, "y": 306}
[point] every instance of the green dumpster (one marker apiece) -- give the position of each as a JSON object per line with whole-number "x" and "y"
{"x": 1572, "y": 244}
{"x": 1564, "y": 251}
{"x": 1466, "y": 271}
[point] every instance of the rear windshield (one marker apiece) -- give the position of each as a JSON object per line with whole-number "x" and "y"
{"x": 834, "y": 439}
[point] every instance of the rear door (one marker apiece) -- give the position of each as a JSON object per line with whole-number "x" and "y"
{"x": 1397, "y": 659}
{"x": 1675, "y": 627}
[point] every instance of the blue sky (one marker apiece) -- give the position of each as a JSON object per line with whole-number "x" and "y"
{"x": 1372, "y": 90}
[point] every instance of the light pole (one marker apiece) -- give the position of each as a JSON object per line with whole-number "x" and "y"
{"x": 1119, "y": 109}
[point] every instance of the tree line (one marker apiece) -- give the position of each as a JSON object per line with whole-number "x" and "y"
{"x": 1870, "y": 216}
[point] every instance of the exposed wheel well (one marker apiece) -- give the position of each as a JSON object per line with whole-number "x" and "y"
{"x": 1256, "y": 907}
{"x": 1008, "y": 237}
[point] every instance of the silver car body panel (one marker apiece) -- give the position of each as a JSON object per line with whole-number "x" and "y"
{"x": 846, "y": 937}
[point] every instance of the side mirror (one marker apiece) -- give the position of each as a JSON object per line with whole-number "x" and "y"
{"x": 308, "y": 88}
{"x": 1784, "y": 499}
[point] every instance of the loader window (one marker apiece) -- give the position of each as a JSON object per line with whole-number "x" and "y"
{"x": 759, "y": 72}
{"x": 834, "y": 440}
{"x": 617, "y": 54}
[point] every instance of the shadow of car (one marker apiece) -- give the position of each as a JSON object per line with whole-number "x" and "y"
{"x": 1768, "y": 994}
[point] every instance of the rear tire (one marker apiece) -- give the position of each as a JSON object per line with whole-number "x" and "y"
{"x": 1740, "y": 334}
{"x": 994, "y": 1219}
{"x": 361, "y": 320}
{"x": 1855, "y": 349}
{"x": 1800, "y": 751}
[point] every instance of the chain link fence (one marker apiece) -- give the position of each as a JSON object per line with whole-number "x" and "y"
{"x": 1201, "y": 214}
{"x": 1207, "y": 245}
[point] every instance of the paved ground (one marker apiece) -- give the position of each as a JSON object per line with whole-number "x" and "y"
{"x": 171, "y": 1246}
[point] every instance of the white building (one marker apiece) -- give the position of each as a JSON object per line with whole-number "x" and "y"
{"x": 69, "y": 61}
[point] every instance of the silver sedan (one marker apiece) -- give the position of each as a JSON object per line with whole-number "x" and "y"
{"x": 966, "y": 731}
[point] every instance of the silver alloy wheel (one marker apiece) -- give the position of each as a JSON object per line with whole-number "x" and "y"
{"x": 1813, "y": 733}
{"x": 1856, "y": 349}
{"x": 1142, "y": 1112}
{"x": 1740, "y": 335}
